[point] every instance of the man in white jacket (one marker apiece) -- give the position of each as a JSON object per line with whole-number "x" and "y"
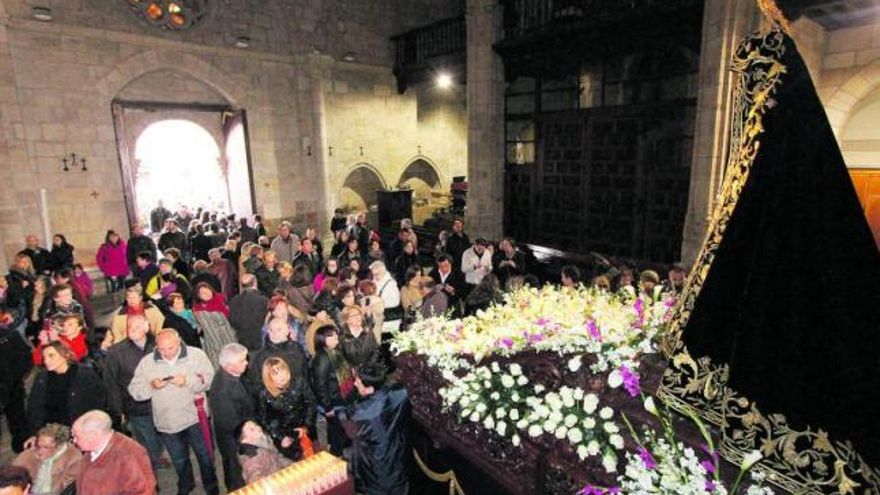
{"x": 171, "y": 377}
{"x": 476, "y": 262}
{"x": 387, "y": 290}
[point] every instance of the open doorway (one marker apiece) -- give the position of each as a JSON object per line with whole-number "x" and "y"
{"x": 193, "y": 155}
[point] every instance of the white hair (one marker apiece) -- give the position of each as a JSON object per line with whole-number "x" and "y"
{"x": 95, "y": 421}
{"x": 231, "y": 352}
{"x": 377, "y": 264}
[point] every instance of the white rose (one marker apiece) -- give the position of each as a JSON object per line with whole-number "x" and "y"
{"x": 539, "y": 388}
{"x": 593, "y": 447}
{"x": 481, "y": 408}
{"x": 507, "y": 381}
{"x": 610, "y": 427}
{"x": 515, "y": 440}
{"x": 515, "y": 397}
{"x": 489, "y": 423}
{"x": 465, "y": 401}
{"x": 500, "y": 413}
{"x": 615, "y": 379}
{"x": 522, "y": 424}
{"x": 561, "y": 432}
{"x": 582, "y": 452}
{"x": 465, "y": 413}
{"x": 495, "y": 367}
{"x": 616, "y": 441}
{"x": 475, "y": 417}
{"x": 514, "y": 414}
{"x": 591, "y": 402}
{"x": 494, "y": 396}
{"x": 578, "y": 394}
{"x": 522, "y": 380}
{"x": 589, "y": 423}
{"x": 570, "y": 420}
{"x": 556, "y": 417}
{"x": 550, "y": 426}
{"x": 606, "y": 413}
{"x": 574, "y": 364}
{"x": 535, "y": 431}
{"x": 515, "y": 370}
{"x": 501, "y": 428}
{"x": 487, "y": 384}
{"x": 575, "y": 436}
{"x": 609, "y": 462}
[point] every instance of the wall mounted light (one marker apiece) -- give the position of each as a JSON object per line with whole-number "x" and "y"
{"x": 444, "y": 80}
{"x": 43, "y": 14}
{"x": 350, "y": 57}
{"x": 242, "y": 42}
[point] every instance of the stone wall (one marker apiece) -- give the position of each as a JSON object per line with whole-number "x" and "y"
{"x": 57, "y": 81}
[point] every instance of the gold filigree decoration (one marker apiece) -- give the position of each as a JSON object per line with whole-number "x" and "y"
{"x": 758, "y": 61}
{"x": 775, "y": 15}
{"x": 805, "y": 461}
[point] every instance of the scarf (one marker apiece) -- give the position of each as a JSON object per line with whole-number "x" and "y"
{"x": 343, "y": 372}
{"x": 216, "y": 304}
{"x": 43, "y": 481}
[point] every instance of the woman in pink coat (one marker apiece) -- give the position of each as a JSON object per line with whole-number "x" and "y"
{"x": 112, "y": 261}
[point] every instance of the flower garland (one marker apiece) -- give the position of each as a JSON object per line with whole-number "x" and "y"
{"x": 617, "y": 330}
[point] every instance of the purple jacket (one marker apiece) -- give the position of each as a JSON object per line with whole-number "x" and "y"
{"x": 111, "y": 259}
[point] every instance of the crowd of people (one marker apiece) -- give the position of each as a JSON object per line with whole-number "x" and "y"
{"x": 226, "y": 338}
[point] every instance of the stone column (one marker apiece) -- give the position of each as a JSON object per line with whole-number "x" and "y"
{"x": 725, "y": 23}
{"x": 485, "y": 119}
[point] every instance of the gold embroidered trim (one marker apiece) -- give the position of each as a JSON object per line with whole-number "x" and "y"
{"x": 775, "y": 15}
{"x": 797, "y": 461}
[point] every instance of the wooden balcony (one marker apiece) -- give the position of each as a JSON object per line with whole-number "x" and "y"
{"x": 422, "y": 52}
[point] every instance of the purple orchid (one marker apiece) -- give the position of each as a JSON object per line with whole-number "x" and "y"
{"x": 594, "y": 330}
{"x": 647, "y": 458}
{"x": 507, "y": 342}
{"x": 710, "y": 486}
{"x": 630, "y": 381}
{"x": 708, "y": 466}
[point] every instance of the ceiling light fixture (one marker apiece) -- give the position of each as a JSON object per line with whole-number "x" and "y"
{"x": 444, "y": 80}
{"x": 42, "y": 13}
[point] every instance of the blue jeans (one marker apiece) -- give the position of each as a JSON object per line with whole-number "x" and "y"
{"x": 144, "y": 431}
{"x": 178, "y": 445}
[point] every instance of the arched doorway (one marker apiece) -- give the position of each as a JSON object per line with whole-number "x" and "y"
{"x": 358, "y": 192}
{"x": 422, "y": 178}
{"x": 178, "y": 162}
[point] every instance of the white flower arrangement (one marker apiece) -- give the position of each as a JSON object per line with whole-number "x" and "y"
{"x": 488, "y": 396}
{"x": 562, "y": 321}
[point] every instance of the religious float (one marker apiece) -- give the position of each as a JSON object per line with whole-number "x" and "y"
{"x": 760, "y": 377}
{"x": 319, "y": 474}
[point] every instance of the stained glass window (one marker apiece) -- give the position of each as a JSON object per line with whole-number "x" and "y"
{"x": 174, "y": 15}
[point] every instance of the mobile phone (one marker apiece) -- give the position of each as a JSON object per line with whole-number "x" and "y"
{"x": 167, "y": 378}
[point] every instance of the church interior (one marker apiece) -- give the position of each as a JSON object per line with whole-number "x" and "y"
{"x": 673, "y": 224}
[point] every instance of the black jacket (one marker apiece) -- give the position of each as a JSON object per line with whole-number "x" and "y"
{"x": 15, "y": 362}
{"x": 17, "y": 295}
{"x": 402, "y": 264}
{"x": 291, "y": 352}
{"x": 201, "y": 244}
{"x": 139, "y": 244}
{"x": 247, "y": 313}
{"x": 280, "y": 416}
{"x": 267, "y": 280}
{"x": 119, "y": 365}
{"x": 174, "y": 240}
{"x": 39, "y": 257}
{"x": 361, "y": 349}
{"x": 456, "y": 280}
{"x": 61, "y": 257}
{"x": 187, "y": 332}
{"x": 86, "y": 393}
{"x": 456, "y": 245}
{"x": 325, "y": 384}
{"x": 505, "y": 272}
{"x": 230, "y": 401}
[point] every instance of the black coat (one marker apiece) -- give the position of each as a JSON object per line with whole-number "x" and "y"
{"x": 40, "y": 259}
{"x": 230, "y": 402}
{"x": 187, "y": 332}
{"x": 61, "y": 257}
{"x": 119, "y": 365}
{"x": 505, "y": 272}
{"x": 402, "y": 264}
{"x": 139, "y": 244}
{"x": 291, "y": 352}
{"x": 174, "y": 240}
{"x": 15, "y": 362}
{"x": 17, "y": 295}
{"x": 280, "y": 416}
{"x": 325, "y": 384}
{"x": 361, "y": 349}
{"x": 201, "y": 244}
{"x": 456, "y": 280}
{"x": 86, "y": 393}
{"x": 210, "y": 278}
{"x": 267, "y": 280}
{"x": 247, "y": 313}
{"x": 456, "y": 245}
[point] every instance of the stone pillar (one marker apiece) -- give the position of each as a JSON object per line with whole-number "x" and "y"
{"x": 485, "y": 119}
{"x": 725, "y": 23}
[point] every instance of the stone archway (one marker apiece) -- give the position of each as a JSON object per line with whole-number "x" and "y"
{"x": 840, "y": 106}
{"x": 422, "y": 177}
{"x": 358, "y": 190}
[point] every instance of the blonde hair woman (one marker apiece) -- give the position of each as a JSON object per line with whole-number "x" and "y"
{"x": 285, "y": 407}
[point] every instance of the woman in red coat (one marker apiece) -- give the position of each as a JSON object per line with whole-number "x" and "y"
{"x": 70, "y": 330}
{"x": 112, "y": 261}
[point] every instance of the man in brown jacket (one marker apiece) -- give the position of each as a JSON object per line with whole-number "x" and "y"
{"x": 53, "y": 462}
{"x": 114, "y": 463}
